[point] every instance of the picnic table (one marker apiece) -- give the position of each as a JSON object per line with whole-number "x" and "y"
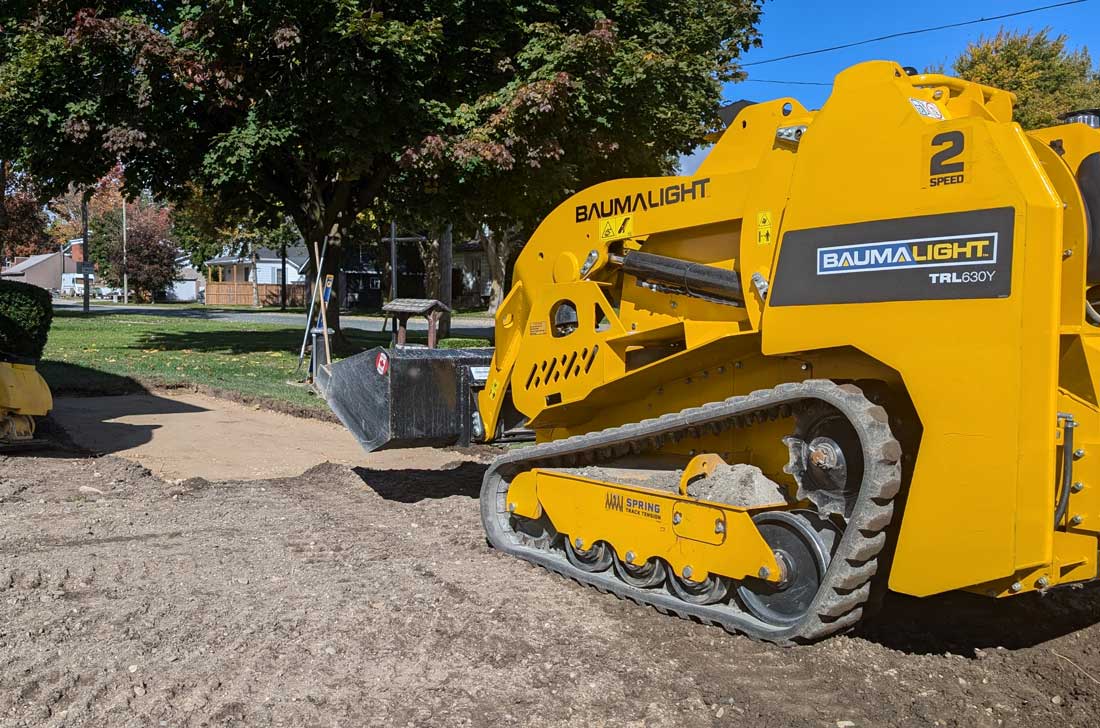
{"x": 402, "y": 308}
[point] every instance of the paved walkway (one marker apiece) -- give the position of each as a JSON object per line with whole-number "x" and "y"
{"x": 192, "y": 435}
{"x": 480, "y": 327}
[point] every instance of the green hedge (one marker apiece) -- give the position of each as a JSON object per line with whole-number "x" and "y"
{"x": 25, "y": 316}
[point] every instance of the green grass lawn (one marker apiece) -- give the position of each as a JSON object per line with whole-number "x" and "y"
{"x": 117, "y": 353}
{"x": 461, "y": 313}
{"x": 191, "y": 306}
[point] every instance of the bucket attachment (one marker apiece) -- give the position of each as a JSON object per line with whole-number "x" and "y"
{"x": 406, "y": 397}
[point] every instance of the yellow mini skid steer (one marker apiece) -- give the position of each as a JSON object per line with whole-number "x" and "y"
{"x": 854, "y": 350}
{"x": 24, "y": 395}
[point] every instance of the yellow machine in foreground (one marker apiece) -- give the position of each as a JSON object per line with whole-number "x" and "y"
{"x": 854, "y": 349}
{"x": 23, "y": 396}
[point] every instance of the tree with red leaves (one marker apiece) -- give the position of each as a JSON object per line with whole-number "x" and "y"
{"x": 150, "y": 260}
{"x": 22, "y": 219}
{"x": 105, "y": 194}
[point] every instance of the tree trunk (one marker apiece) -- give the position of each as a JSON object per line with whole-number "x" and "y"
{"x": 429, "y": 253}
{"x": 446, "y": 265}
{"x": 325, "y": 212}
{"x": 3, "y": 206}
{"x": 498, "y": 248}
{"x": 255, "y": 256}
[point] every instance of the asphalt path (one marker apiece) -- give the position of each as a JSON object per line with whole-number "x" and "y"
{"x": 461, "y": 326}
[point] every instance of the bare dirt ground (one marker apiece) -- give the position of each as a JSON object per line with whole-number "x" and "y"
{"x": 192, "y": 434}
{"x": 357, "y": 596}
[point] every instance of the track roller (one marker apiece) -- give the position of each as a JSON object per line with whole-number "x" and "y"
{"x": 643, "y": 576}
{"x": 711, "y": 590}
{"x": 594, "y": 559}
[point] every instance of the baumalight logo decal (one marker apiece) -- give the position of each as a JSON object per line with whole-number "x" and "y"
{"x": 642, "y": 201}
{"x": 980, "y": 249}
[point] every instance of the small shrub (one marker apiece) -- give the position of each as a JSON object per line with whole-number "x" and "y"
{"x": 25, "y": 315}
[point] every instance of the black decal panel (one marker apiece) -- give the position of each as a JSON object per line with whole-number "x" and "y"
{"x": 956, "y": 255}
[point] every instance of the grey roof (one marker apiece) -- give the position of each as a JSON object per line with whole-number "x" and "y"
{"x": 420, "y": 306}
{"x": 469, "y": 246}
{"x": 296, "y": 256}
{"x": 21, "y": 268}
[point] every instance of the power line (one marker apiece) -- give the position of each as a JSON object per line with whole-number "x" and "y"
{"x": 913, "y": 32}
{"x": 786, "y": 83}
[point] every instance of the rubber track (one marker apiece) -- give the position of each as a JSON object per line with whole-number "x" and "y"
{"x": 846, "y": 586}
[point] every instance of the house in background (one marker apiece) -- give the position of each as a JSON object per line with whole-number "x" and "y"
{"x": 360, "y": 288}
{"x": 470, "y": 278}
{"x": 48, "y": 270}
{"x": 45, "y": 270}
{"x": 188, "y": 285}
{"x": 230, "y": 278}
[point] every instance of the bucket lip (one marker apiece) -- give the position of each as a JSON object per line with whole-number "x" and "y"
{"x": 371, "y": 433}
{"x": 423, "y": 352}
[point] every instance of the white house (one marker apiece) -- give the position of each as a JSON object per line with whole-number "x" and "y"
{"x": 230, "y": 277}
{"x": 188, "y": 284}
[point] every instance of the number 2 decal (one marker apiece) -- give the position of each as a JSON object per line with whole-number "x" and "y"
{"x": 941, "y": 169}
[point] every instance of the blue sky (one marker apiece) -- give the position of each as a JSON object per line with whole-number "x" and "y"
{"x": 792, "y": 26}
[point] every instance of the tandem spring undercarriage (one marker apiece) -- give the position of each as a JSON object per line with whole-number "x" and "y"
{"x": 845, "y": 586}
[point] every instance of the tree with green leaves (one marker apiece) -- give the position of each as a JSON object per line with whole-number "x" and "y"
{"x": 202, "y": 229}
{"x": 1048, "y": 78}
{"x": 624, "y": 98}
{"x": 315, "y": 109}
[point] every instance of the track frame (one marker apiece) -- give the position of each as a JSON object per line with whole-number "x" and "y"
{"x": 846, "y": 586}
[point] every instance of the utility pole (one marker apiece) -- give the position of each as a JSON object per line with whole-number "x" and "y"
{"x": 393, "y": 269}
{"x": 3, "y": 203}
{"x": 393, "y": 260}
{"x": 125, "y": 277}
{"x": 446, "y": 263}
{"x": 86, "y": 262}
{"x": 282, "y": 290}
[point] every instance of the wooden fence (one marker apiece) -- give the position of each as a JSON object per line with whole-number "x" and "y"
{"x": 240, "y": 294}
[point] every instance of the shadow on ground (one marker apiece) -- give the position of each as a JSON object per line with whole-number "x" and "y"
{"x": 249, "y": 341}
{"x": 411, "y": 486}
{"x": 72, "y": 311}
{"x": 74, "y": 380}
{"x": 89, "y": 422}
{"x": 960, "y": 622}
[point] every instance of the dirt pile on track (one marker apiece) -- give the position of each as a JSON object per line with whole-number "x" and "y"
{"x": 352, "y": 597}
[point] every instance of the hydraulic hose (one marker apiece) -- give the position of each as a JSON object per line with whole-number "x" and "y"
{"x": 694, "y": 278}
{"x": 1091, "y": 314}
{"x": 1067, "y": 468}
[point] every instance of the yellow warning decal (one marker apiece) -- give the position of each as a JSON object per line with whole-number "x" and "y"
{"x": 538, "y": 328}
{"x": 764, "y": 227}
{"x": 616, "y": 228}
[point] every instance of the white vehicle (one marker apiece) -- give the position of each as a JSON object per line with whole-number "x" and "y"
{"x": 106, "y": 292}
{"x": 72, "y": 284}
